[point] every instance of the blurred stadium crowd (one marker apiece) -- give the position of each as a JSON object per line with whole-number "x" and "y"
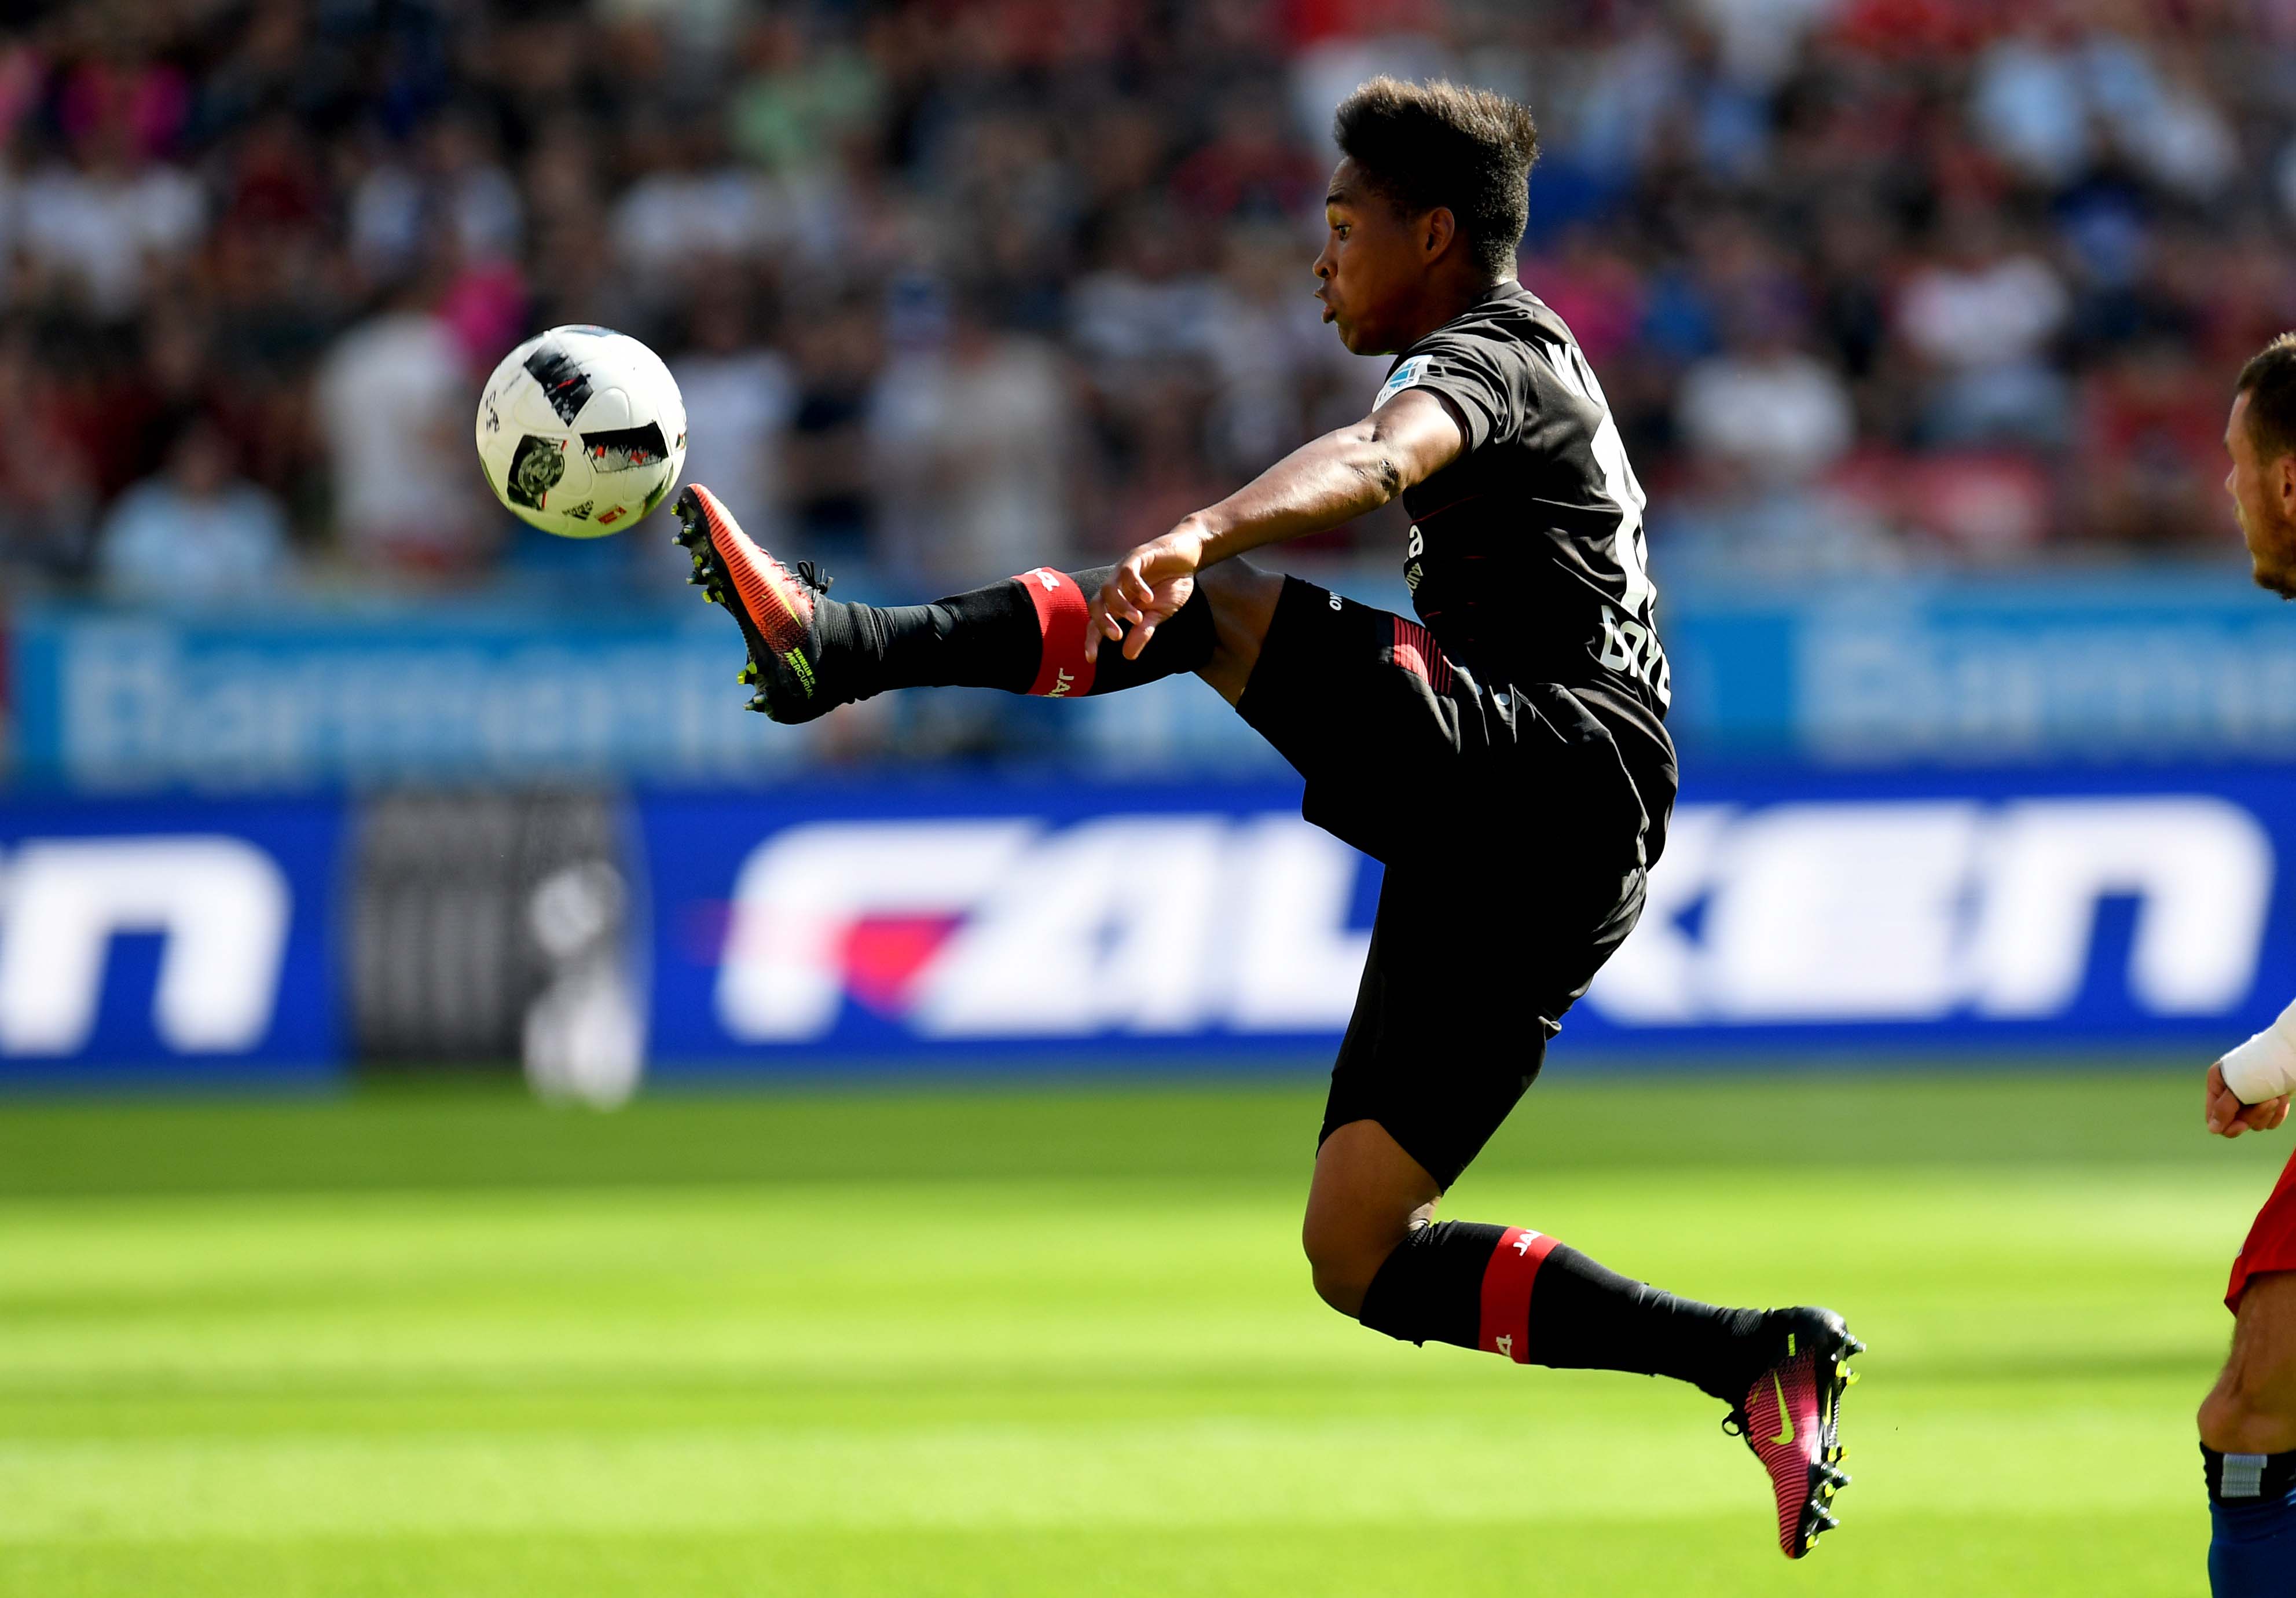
{"x": 954, "y": 286}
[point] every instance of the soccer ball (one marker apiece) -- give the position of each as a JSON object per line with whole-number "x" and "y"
{"x": 581, "y": 432}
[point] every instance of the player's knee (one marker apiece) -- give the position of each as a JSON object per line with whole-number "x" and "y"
{"x": 1340, "y": 1286}
{"x": 1239, "y": 585}
{"x": 1340, "y": 1266}
{"x": 1242, "y": 600}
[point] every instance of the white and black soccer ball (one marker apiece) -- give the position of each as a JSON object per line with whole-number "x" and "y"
{"x": 581, "y": 432}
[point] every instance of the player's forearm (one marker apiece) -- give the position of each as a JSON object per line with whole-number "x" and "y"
{"x": 1322, "y": 484}
{"x": 2264, "y": 1068}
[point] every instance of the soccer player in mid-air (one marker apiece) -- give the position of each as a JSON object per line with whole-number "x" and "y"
{"x": 2248, "y": 1421}
{"x": 1506, "y": 761}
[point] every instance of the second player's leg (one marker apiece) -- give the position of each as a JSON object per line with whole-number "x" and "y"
{"x": 2248, "y": 1436}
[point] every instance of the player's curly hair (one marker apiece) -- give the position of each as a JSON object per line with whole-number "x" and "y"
{"x": 2269, "y": 381}
{"x": 1425, "y": 146}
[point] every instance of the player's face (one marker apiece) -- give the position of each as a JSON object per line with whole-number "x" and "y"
{"x": 2264, "y": 503}
{"x": 1370, "y": 268}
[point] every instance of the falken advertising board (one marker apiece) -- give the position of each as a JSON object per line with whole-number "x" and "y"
{"x": 1080, "y": 923}
{"x": 963, "y": 924}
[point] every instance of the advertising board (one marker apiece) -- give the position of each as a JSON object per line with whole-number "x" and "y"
{"x": 1021, "y": 921}
{"x": 1794, "y": 910}
{"x": 2161, "y": 667}
{"x": 178, "y": 939}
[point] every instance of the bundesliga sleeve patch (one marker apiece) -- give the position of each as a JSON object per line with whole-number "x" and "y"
{"x": 1403, "y": 377}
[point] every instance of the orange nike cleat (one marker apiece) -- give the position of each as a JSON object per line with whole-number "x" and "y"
{"x": 778, "y": 610}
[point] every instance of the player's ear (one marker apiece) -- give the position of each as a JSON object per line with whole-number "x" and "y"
{"x": 1435, "y": 234}
{"x": 2283, "y": 483}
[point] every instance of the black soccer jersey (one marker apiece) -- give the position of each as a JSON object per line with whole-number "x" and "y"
{"x": 1526, "y": 554}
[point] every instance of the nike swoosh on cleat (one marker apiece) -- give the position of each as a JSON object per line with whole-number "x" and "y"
{"x": 1784, "y": 1419}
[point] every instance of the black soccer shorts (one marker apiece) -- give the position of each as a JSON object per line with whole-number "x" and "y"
{"x": 1513, "y": 842}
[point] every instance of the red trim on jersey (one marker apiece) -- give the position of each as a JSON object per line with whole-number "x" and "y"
{"x": 1417, "y": 652}
{"x": 1507, "y": 1282}
{"x": 1061, "y": 616}
{"x": 1408, "y": 653}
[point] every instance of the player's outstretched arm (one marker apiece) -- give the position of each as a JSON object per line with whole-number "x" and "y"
{"x": 2250, "y": 1085}
{"x": 1322, "y": 484}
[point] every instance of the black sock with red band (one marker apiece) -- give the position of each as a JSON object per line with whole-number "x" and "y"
{"x": 1520, "y": 1293}
{"x": 1024, "y": 635}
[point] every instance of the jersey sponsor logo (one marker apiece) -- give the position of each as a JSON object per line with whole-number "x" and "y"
{"x": 1062, "y": 681}
{"x": 219, "y": 907}
{"x": 1407, "y": 375}
{"x": 1006, "y": 928}
{"x": 1933, "y": 910}
{"x": 1505, "y": 1343}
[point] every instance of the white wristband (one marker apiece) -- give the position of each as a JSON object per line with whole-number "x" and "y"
{"x": 2265, "y": 1066}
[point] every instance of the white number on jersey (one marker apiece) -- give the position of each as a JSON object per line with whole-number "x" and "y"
{"x": 1629, "y": 642}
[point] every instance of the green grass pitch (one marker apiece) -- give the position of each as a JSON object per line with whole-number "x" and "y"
{"x": 1059, "y": 1340}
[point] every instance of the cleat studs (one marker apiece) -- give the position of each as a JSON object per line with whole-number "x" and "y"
{"x": 748, "y": 673}
{"x": 758, "y": 704}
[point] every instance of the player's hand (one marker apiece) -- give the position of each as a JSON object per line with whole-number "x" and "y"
{"x": 1146, "y": 589}
{"x": 2229, "y": 1117}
